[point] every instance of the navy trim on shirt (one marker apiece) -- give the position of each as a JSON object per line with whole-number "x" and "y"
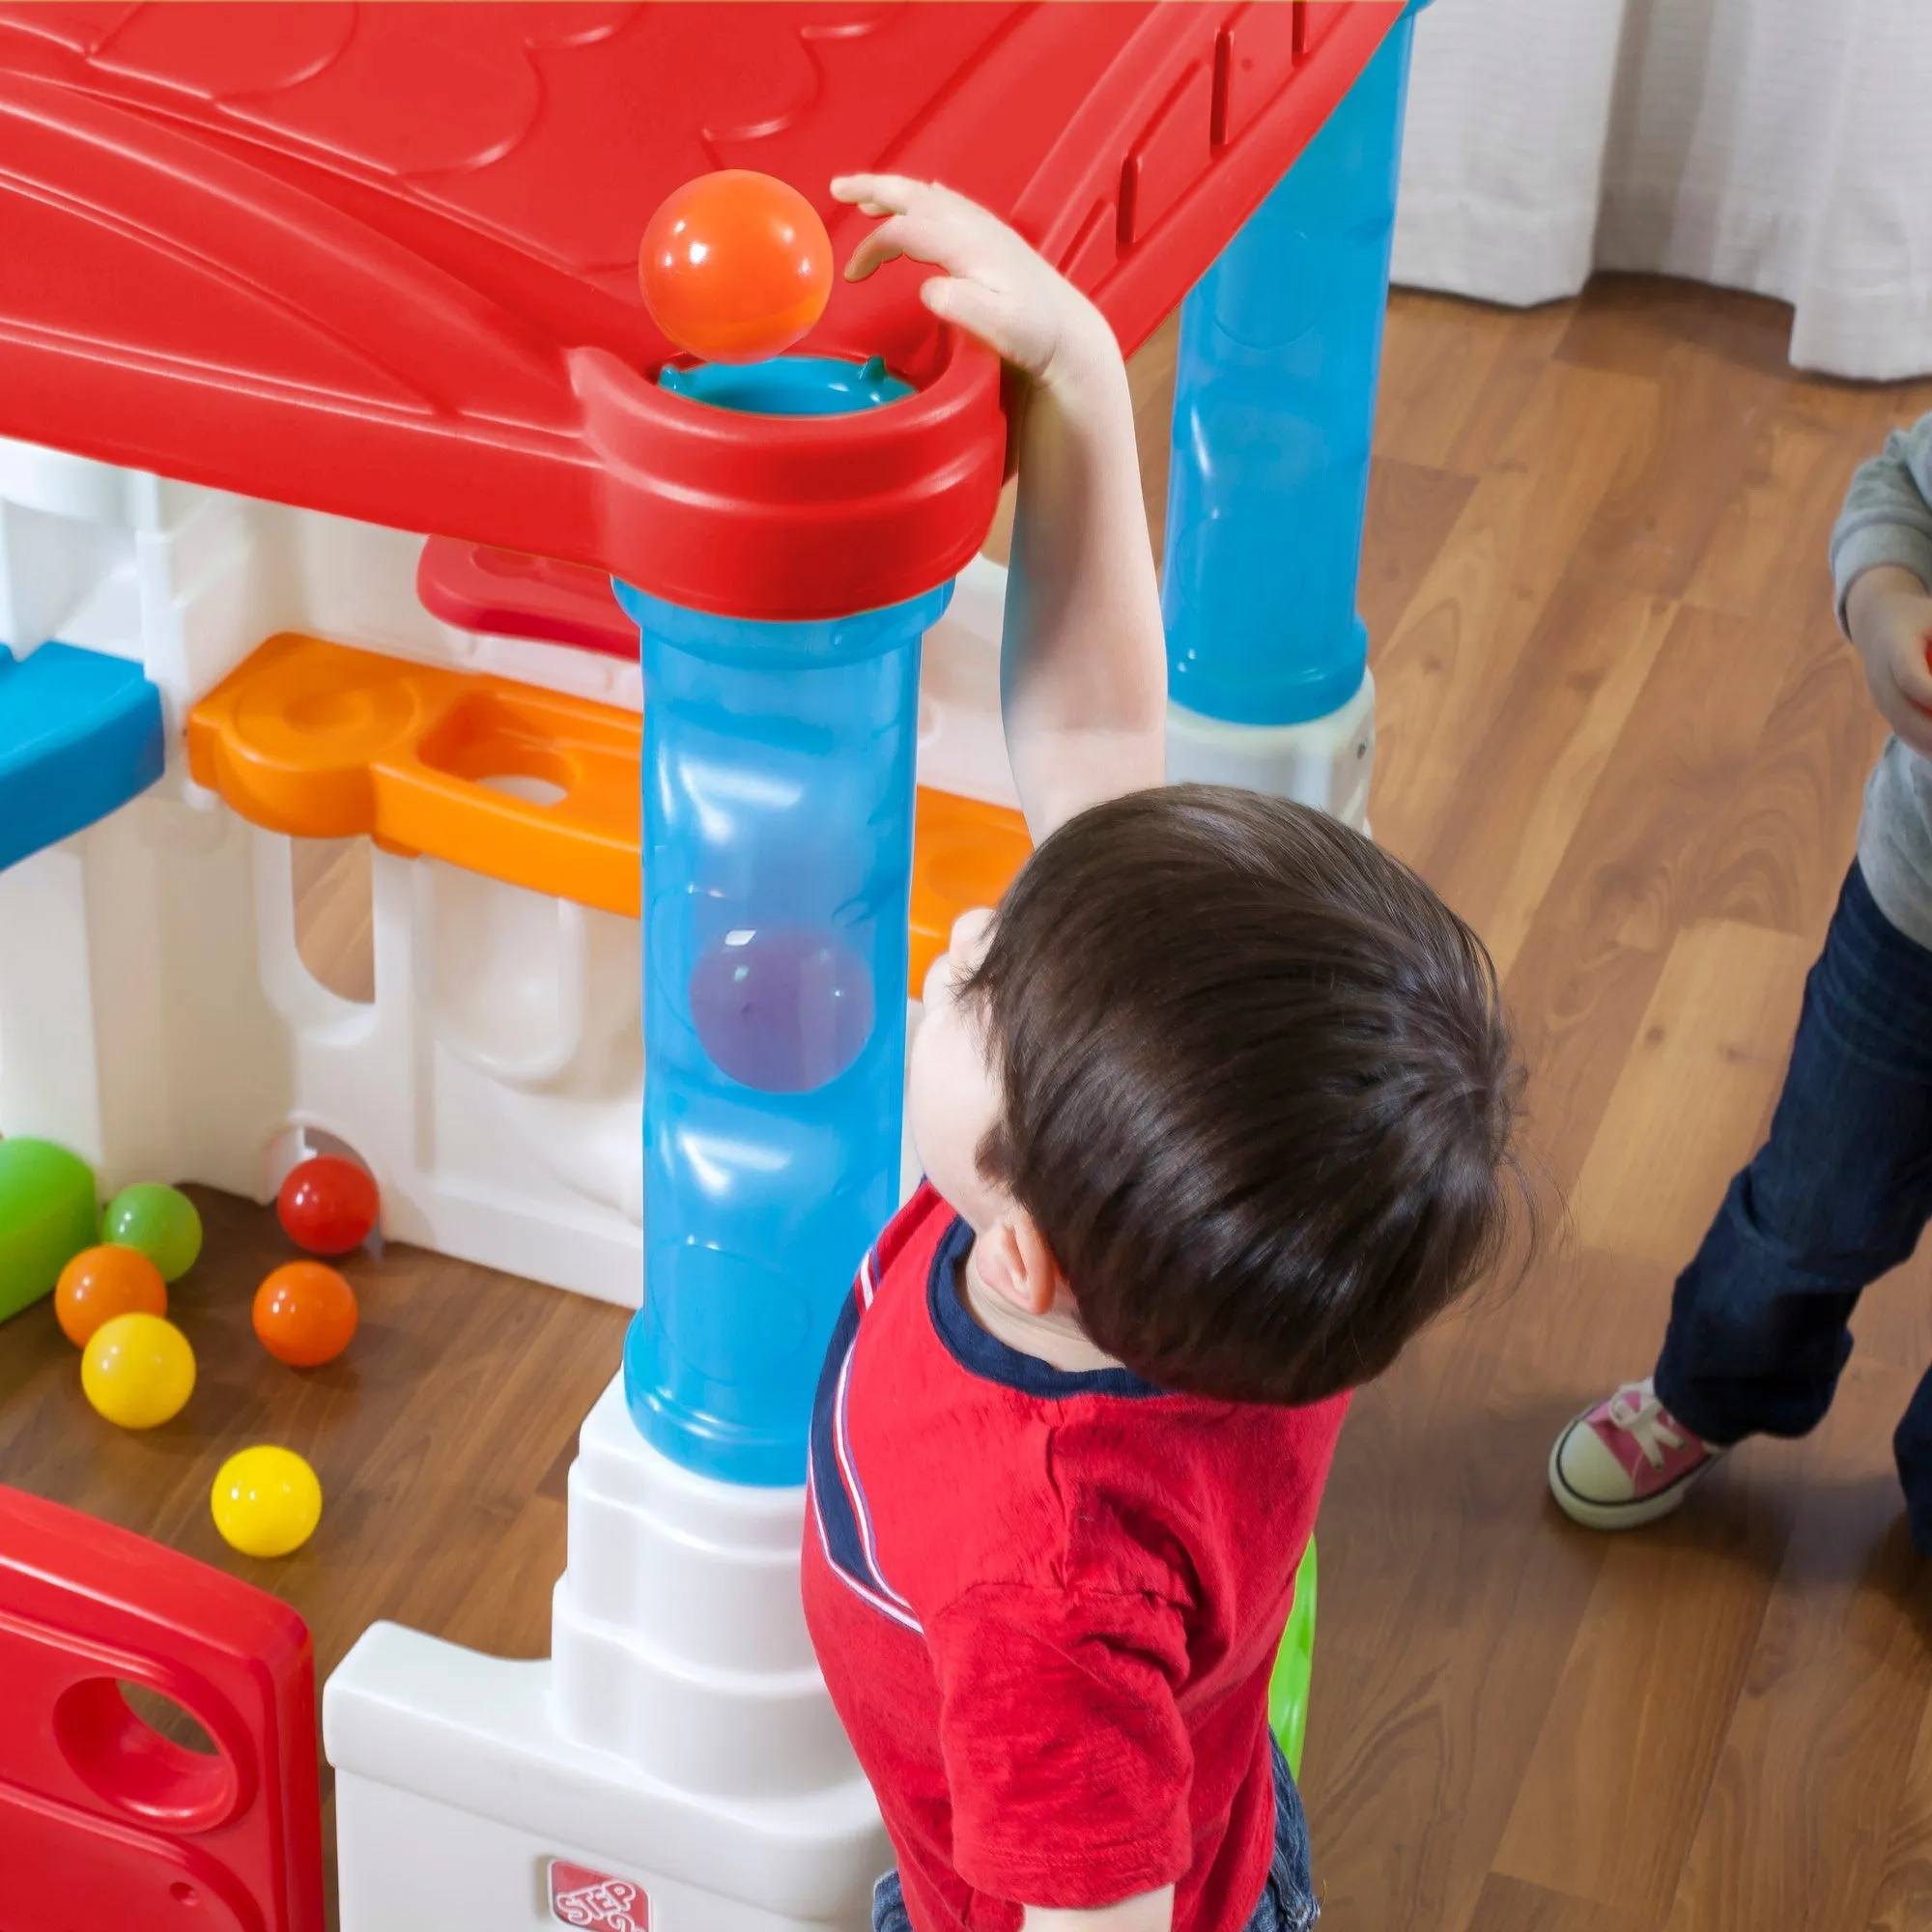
{"x": 988, "y": 1358}
{"x": 837, "y": 1496}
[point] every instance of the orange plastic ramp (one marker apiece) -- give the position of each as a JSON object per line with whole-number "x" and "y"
{"x": 965, "y": 854}
{"x": 321, "y": 741}
{"x": 324, "y": 742}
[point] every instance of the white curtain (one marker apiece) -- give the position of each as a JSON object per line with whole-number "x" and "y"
{"x": 1781, "y": 146}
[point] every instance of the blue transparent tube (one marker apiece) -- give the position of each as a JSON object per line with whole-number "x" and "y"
{"x": 778, "y": 785}
{"x": 1274, "y": 407}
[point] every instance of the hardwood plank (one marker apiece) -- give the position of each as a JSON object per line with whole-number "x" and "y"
{"x": 1508, "y": 1905}
{"x": 1483, "y": 439}
{"x": 1436, "y": 354}
{"x": 1695, "y": 1094}
{"x": 1440, "y": 673}
{"x": 1416, "y": 1742}
{"x": 1446, "y": 1616}
{"x": 1411, "y": 514}
{"x": 1611, "y": 1799}
{"x": 1455, "y": 374}
{"x": 1767, "y": 553}
{"x": 1797, "y": 1825}
{"x": 1638, "y": 323}
{"x": 1595, "y": 947}
{"x": 1902, "y": 1901}
{"x": 506, "y": 1610}
{"x": 1780, "y": 850}
{"x": 1512, "y": 817}
{"x": 1694, "y": 457}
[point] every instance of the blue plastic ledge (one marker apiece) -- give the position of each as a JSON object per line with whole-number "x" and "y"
{"x": 80, "y": 734}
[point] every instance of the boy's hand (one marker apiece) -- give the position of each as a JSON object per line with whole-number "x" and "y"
{"x": 1890, "y": 616}
{"x": 994, "y": 287}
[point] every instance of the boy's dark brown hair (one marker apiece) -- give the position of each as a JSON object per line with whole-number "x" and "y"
{"x": 1258, "y": 1091}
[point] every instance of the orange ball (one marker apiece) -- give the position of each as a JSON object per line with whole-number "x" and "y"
{"x": 100, "y": 1283}
{"x": 736, "y": 266}
{"x": 305, "y": 1315}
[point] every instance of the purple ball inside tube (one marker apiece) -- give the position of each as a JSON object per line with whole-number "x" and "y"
{"x": 782, "y": 1010}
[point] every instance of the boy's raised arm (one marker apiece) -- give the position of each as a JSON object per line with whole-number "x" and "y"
{"x": 1084, "y": 673}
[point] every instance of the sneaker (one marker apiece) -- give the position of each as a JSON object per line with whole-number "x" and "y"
{"x": 1627, "y": 1462}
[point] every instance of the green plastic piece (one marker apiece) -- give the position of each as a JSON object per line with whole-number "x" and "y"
{"x": 46, "y": 1217}
{"x": 1294, "y": 1666}
{"x": 160, "y": 1221}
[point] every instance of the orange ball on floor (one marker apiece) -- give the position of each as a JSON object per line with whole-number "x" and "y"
{"x": 305, "y": 1314}
{"x": 100, "y": 1283}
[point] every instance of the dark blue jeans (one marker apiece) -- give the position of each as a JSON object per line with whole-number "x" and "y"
{"x": 1836, "y": 1196}
{"x": 1287, "y": 1898}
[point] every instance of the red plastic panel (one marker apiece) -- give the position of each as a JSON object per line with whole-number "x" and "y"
{"x": 1171, "y": 154}
{"x": 103, "y": 1821}
{"x": 1257, "y": 52}
{"x": 379, "y": 260}
{"x": 1318, "y": 19}
{"x": 501, "y": 593}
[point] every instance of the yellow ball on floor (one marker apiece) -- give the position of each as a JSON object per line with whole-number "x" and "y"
{"x": 266, "y": 1501}
{"x": 137, "y": 1370}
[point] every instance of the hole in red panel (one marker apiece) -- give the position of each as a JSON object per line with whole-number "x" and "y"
{"x": 128, "y": 1763}
{"x": 183, "y": 1894}
{"x": 163, "y": 1716}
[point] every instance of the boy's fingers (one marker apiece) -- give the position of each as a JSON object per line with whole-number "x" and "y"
{"x": 884, "y": 244}
{"x": 892, "y": 193}
{"x": 932, "y": 236}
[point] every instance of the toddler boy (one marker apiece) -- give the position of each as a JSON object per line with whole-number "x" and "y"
{"x": 1215, "y": 1114}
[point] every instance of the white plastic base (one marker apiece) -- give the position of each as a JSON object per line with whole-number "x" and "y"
{"x": 1325, "y": 763}
{"x": 156, "y": 1018}
{"x": 680, "y": 1740}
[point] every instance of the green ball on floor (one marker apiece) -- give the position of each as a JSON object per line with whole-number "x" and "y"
{"x": 160, "y": 1221}
{"x": 46, "y": 1217}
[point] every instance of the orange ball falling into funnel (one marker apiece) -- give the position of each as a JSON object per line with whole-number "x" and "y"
{"x": 735, "y": 267}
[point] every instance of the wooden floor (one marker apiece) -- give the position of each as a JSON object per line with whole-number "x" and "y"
{"x": 1619, "y": 734}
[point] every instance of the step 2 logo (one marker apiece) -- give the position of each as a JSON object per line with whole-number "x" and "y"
{"x": 596, "y": 1902}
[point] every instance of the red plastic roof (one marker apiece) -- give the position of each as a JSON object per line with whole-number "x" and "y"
{"x": 381, "y": 259}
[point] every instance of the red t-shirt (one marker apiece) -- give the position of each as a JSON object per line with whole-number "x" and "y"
{"x": 1047, "y": 1604}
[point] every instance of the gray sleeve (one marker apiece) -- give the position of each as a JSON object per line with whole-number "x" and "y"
{"x": 1887, "y": 513}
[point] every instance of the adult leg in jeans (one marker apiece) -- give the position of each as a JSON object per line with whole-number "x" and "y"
{"x": 1836, "y": 1196}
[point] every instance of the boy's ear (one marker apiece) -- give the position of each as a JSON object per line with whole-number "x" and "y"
{"x": 1016, "y": 1262}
